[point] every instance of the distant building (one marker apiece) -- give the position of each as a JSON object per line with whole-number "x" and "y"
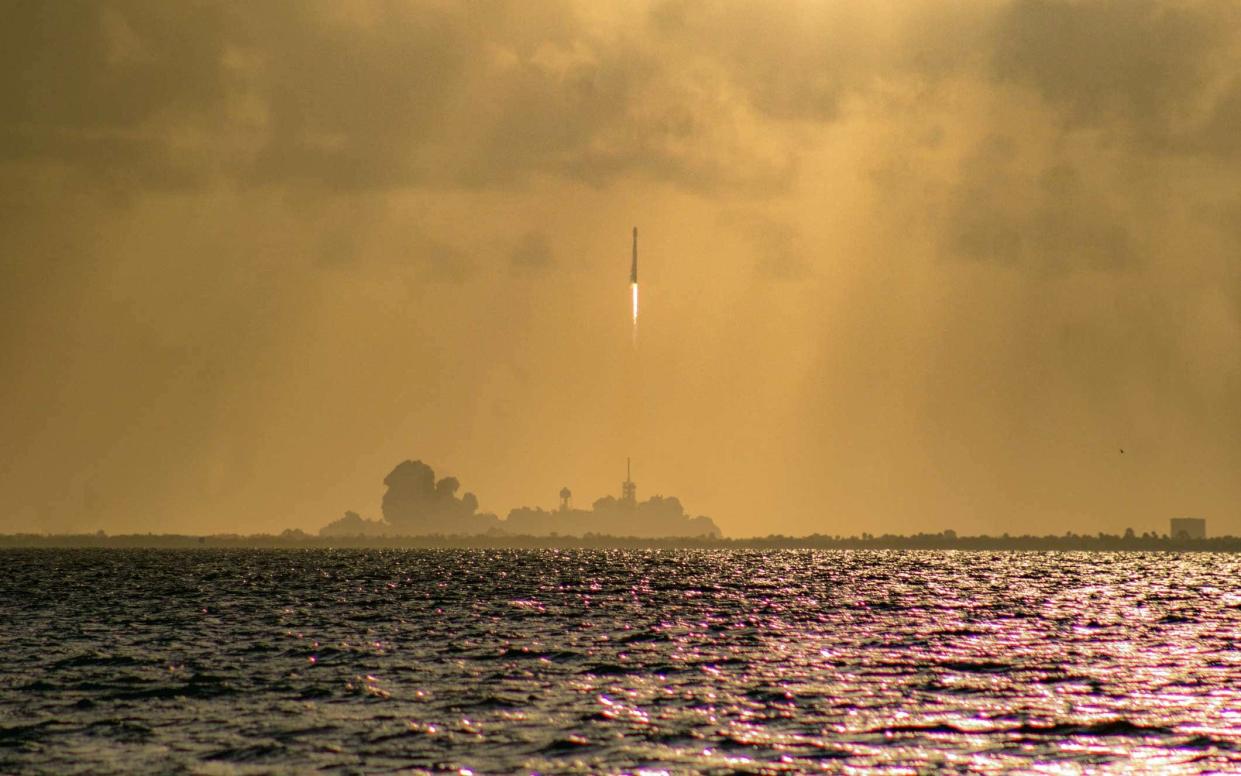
{"x": 566, "y": 499}
{"x": 1188, "y": 528}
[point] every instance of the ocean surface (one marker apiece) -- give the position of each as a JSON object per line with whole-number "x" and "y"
{"x": 118, "y": 661}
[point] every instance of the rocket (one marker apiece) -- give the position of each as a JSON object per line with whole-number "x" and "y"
{"x": 633, "y": 268}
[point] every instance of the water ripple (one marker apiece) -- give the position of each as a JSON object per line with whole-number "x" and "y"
{"x": 618, "y": 661}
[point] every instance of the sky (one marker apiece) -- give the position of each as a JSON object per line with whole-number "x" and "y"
{"x": 906, "y": 266}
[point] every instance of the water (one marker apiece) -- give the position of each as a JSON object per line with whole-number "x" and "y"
{"x": 496, "y": 661}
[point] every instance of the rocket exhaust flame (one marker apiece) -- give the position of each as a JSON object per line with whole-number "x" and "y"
{"x": 633, "y": 284}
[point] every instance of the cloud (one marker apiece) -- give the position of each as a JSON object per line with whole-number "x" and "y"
{"x": 103, "y": 87}
{"x": 801, "y": 63}
{"x": 1155, "y": 73}
{"x": 1052, "y": 218}
{"x": 1217, "y": 135}
{"x": 443, "y": 262}
{"x": 776, "y": 247}
{"x": 309, "y": 95}
{"x": 533, "y": 253}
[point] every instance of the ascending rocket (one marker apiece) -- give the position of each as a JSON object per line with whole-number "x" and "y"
{"x": 633, "y": 269}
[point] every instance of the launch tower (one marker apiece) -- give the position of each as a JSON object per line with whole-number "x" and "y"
{"x": 629, "y": 490}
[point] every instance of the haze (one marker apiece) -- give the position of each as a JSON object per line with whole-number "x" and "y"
{"x": 905, "y": 266}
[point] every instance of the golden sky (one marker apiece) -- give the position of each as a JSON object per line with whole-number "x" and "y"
{"x": 905, "y": 266}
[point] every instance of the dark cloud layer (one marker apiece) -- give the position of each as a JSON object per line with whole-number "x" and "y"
{"x": 309, "y": 94}
{"x": 1157, "y": 73}
{"x": 390, "y": 94}
{"x": 98, "y": 86}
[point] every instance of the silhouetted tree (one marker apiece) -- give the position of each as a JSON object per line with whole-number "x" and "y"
{"x": 353, "y": 524}
{"x": 416, "y": 504}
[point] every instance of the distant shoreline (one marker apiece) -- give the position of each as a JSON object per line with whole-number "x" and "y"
{"x": 296, "y": 540}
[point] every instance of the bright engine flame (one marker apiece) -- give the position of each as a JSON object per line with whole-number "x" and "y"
{"x": 634, "y": 286}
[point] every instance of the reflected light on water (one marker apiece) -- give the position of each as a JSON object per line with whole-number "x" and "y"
{"x": 500, "y": 661}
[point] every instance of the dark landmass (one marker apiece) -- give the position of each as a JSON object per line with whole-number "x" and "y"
{"x": 940, "y": 541}
{"x": 417, "y": 504}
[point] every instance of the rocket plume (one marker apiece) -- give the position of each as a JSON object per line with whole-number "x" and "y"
{"x": 633, "y": 285}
